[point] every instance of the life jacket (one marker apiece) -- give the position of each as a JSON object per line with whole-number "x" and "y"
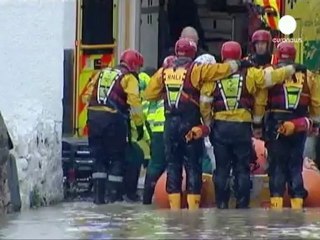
{"x": 293, "y": 95}
{"x": 231, "y": 93}
{"x": 108, "y": 90}
{"x": 180, "y": 97}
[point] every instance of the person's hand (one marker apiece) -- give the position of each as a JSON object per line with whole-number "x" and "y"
{"x": 197, "y": 132}
{"x": 300, "y": 68}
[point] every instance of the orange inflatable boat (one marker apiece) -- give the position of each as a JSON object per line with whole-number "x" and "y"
{"x": 260, "y": 196}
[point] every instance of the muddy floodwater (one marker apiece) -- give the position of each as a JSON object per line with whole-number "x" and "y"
{"x": 83, "y": 220}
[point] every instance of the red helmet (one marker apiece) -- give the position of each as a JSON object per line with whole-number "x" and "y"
{"x": 231, "y": 50}
{"x": 132, "y": 58}
{"x": 261, "y": 35}
{"x": 286, "y": 51}
{"x": 168, "y": 61}
{"x": 185, "y": 48}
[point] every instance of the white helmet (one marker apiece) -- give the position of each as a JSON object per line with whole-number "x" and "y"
{"x": 206, "y": 59}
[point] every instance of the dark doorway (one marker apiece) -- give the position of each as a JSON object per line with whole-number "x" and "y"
{"x": 215, "y": 21}
{"x": 97, "y": 24}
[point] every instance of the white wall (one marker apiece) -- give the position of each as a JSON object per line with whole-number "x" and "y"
{"x": 31, "y": 60}
{"x": 69, "y": 24}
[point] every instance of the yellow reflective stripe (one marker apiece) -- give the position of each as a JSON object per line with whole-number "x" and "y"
{"x": 158, "y": 126}
{"x": 158, "y": 129}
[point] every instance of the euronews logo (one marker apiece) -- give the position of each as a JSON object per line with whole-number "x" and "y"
{"x": 287, "y": 26}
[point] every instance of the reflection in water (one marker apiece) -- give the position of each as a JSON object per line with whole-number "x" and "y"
{"x": 86, "y": 221}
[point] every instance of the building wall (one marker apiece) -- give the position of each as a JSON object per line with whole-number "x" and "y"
{"x": 69, "y": 24}
{"x": 31, "y": 47}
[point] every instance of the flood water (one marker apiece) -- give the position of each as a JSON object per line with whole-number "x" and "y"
{"x": 83, "y": 220}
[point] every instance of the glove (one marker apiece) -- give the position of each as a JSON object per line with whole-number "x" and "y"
{"x": 287, "y": 128}
{"x": 197, "y": 132}
{"x": 300, "y": 68}
{"x": 140, "y": 132}
{"x": 245, "y": 64}
{"x": 296, "y": 125}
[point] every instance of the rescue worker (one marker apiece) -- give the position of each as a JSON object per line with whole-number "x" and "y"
{"x": 111, "y": 94}
{"x": 132, "y": 167}
{"x": 262, "y": 48}
{"x": 232, "y": 101}
{"x": 137, "y": 152}
{"x": 144, "y": 79}
{"x": 262, "y": 58}
{"x": 180, "y": 86}
{"x": 294, "y": 109}
{"x": 157, "y": 165}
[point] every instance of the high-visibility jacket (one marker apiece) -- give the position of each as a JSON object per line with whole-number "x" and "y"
{"x": 115, "y": 90}
{"x": 144, "y": 144}
{"x": 255, "y": 79}
{"x": 155, "y": 116}
{"x": 152, "y": 107}
{"x": 158, "y": 117}
{"x": 144, "y": 80}
{"x": 299, "y": 95}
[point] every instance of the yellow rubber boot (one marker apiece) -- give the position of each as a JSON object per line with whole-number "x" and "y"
{"x": 296, "y": 203}
{"x": 276, "y": 202}
{"x": 193, "y": 201}
{"x": 175, "y": 201}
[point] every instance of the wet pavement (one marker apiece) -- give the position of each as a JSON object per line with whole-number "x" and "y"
{"x": 83, "y": 220}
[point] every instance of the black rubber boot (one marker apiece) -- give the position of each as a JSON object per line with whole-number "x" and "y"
{"x": 99, "y": 188}
{"x": 222, "y": 205}
{"x": 148, "y": 190}
{"x": 222, "y": 195}
{"x": 132, "y": 198}
{"x": 115, "y": 192}
{"x": 131, "y": 179}
{"x": 242, "y": 203}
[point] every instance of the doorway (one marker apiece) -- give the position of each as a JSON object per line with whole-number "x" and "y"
{"x": 216, "y": 21}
